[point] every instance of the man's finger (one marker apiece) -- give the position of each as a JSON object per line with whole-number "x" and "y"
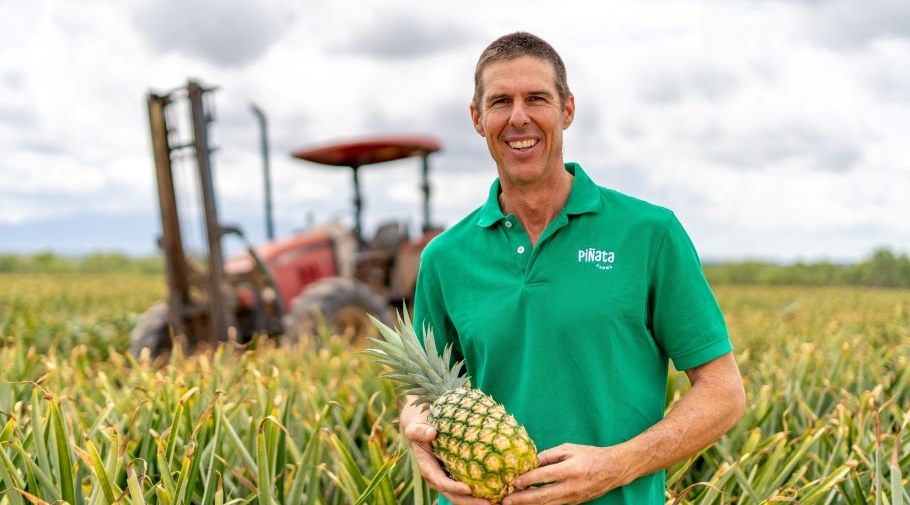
{"x": 553, "y": 455}
{"x": 430, "y": 467}
{"x": 438, "y": 479}
{"x": 447, "y": 485}
{"x": 420, "y": 432}
{"x": 539, "y": 475}
{"x": 544, "y": 494}
{"x": 459, "y": 499}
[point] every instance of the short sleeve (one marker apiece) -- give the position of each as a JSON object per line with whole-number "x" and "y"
{"x": 686, "y": 320}
{"x": 429, "y": 308}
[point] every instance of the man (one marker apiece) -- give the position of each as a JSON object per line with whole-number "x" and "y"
{"x": 567, "y": 300}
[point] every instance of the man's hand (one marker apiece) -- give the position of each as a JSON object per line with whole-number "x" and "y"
{"x": 421, "y": 435}
{"x": 570, "y": 474}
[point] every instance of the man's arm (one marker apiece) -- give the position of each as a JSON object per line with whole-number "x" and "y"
{"x": 420, "y": 435}
{"x": 576, "y": 473}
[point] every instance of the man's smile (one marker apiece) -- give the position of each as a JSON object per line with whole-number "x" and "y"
{"x": 522, "y": 144}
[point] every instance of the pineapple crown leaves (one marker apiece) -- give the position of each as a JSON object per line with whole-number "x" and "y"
{"x": 421, "y": 371}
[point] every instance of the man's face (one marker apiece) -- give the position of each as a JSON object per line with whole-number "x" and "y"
{"x": 521, "y": 117}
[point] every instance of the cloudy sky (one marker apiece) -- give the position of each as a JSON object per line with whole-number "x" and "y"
{"x": 774, "y": 129}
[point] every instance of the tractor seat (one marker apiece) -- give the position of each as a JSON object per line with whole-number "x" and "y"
{"x": 389, "y": 237}
{"x": 377, "y": 260}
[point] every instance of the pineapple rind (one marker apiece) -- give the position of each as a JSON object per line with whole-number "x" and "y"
{"x": 484, "y": 447}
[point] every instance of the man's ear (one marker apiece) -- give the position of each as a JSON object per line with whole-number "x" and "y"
{"x": 568, "y": 112}
{"x": 475, "y": 118}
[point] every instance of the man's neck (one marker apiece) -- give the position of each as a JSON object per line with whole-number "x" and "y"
{"x": 536, "y": 206}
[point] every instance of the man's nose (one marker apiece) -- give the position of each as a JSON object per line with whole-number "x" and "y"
{"x": 519, "y": 116}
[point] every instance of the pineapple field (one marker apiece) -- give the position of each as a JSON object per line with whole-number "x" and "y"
{"x": 827, "y": 374}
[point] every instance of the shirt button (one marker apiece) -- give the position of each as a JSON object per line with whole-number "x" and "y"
{"x": 508, "y": 224}
{"x": 521, "y": 249}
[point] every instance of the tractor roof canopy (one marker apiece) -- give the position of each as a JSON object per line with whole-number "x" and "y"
{"x": 357, "y": 153}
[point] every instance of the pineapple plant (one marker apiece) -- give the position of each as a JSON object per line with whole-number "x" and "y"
{"x": 477, "y": 441}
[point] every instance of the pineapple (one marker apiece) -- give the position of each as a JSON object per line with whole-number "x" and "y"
{"x": 477, "y": 441}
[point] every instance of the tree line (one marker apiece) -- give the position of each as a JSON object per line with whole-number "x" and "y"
{"x": 884, "y": 268}
{"x": 51, "y": 263}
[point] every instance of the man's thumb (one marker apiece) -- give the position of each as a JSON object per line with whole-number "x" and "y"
{"x": 421, "y": 432}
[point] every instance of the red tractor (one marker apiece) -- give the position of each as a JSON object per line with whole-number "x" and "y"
{"x": 327, "y": 275}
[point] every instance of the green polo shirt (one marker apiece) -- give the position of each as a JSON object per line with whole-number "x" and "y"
{"x": 574, "y": 335}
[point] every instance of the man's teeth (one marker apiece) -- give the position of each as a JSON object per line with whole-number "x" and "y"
{"x": 522, "y": 144}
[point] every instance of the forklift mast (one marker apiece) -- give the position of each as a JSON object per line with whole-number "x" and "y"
{"x": 197, "y": 304}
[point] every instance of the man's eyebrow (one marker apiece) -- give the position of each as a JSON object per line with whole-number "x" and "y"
{"x": 494, "y": 97}
{"x": 543, "y": 92}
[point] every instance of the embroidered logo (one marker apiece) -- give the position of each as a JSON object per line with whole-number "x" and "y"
{"x": 598, "y": 257}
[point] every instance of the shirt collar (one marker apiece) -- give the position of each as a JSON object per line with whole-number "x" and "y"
{"x": 583, "y": 198}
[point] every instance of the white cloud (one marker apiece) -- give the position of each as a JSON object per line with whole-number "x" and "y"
{"x": 223, "y": 32}
{"x": 848, "y": 24}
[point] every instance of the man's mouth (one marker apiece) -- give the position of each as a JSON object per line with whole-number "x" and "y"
{"x": 522, "y": 144}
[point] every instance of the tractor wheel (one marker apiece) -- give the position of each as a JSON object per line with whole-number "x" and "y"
{"x": 339, "y": 305}
{"x": 152, "y": 331}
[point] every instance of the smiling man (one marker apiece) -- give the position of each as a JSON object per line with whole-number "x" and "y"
{"x": 521, "y": 112}
{"x": 568, "y": 301}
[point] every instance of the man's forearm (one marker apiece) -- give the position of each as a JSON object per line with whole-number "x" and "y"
{"x": 713, "y": 404}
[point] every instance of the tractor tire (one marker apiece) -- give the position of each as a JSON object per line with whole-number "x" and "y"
{"x": 337, "y": 306}
{"x": 152, "y": 331}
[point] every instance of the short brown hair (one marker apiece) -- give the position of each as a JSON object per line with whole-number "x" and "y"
{"x": 515, "y": 45}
